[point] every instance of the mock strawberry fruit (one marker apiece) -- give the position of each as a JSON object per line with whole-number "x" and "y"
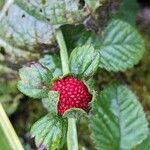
{"x": 73, "y": 94}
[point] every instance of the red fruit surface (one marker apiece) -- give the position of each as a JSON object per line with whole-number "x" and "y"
{"x": 73, "y": 94}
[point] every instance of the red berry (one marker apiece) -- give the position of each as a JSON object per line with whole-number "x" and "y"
{"x": 73, "y": 94}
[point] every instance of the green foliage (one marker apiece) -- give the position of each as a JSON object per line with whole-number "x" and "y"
{"x": 52, "y": 63}
{"x": 24, "y": 31}
{"x": 29, "y": 24}
{"x": 59, "y": 12}
{"x": 50, "y": 131}
{"x": 77, "y": 35}
{"x": 116, "y": 115}
{"x": 84, "y": 61}
{"x": 52, "y": 11}
{"x": 51, "y": 101}
{"x": 121, "y": 46}
{"x": 35, "y": 81}
{"x": 117, "y": 120}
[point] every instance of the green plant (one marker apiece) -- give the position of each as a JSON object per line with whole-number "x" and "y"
{"x": 115, "y": 117}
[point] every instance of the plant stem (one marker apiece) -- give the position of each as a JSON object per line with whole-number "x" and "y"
{"x": 9, "y": 131}
{"x": 72, "y": 140}
{"x": 63, "y": 52}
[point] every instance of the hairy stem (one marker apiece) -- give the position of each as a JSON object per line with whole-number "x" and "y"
{"x": 9, "y": 131}
{"x": 72, "y": 140}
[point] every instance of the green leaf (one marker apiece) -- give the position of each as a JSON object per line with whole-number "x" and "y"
{"x": 121, "y": 47}
{"x": 51, "y": 102}
{"x": 73, "y": 34}
{"x": 53, "y": 64}
{"x": 52, "y": 11}
{"x": 84, "y": 61}
{"x": 117, "y": 120}
{"x": 24, "y": 31}
{"x": 77, "y": 35}
{"x": 59, "y": 12}
{"x": 35, "y": 81}
{"x": 50, "y": 131}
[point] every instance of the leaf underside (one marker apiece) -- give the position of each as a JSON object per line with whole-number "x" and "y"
{"x": 51, "y": 102}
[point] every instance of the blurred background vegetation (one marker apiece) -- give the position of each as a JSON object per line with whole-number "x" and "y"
{"x": 29, "y": 44}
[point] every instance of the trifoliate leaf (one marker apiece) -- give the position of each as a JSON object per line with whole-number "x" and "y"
{"x": 51, "y": 102}
{"x": 50, "y": 131}
{"x": 84, "y": 61}
{"x": 121, "y": 47}
{"x": 117, "y": 120}
{"x": 35, "y": 81}
{"x": 52, "y": 63}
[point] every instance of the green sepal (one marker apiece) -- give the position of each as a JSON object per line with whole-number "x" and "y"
{"x": 51, "y": 102}
{"x": 76, "y": 113}
{"x": 50, "y": 131}
{"x": 84, "y": 61}
{"x": 52, "y": 62}
{"x": 91, "y": 90}
{"x": 35, "y": 81}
